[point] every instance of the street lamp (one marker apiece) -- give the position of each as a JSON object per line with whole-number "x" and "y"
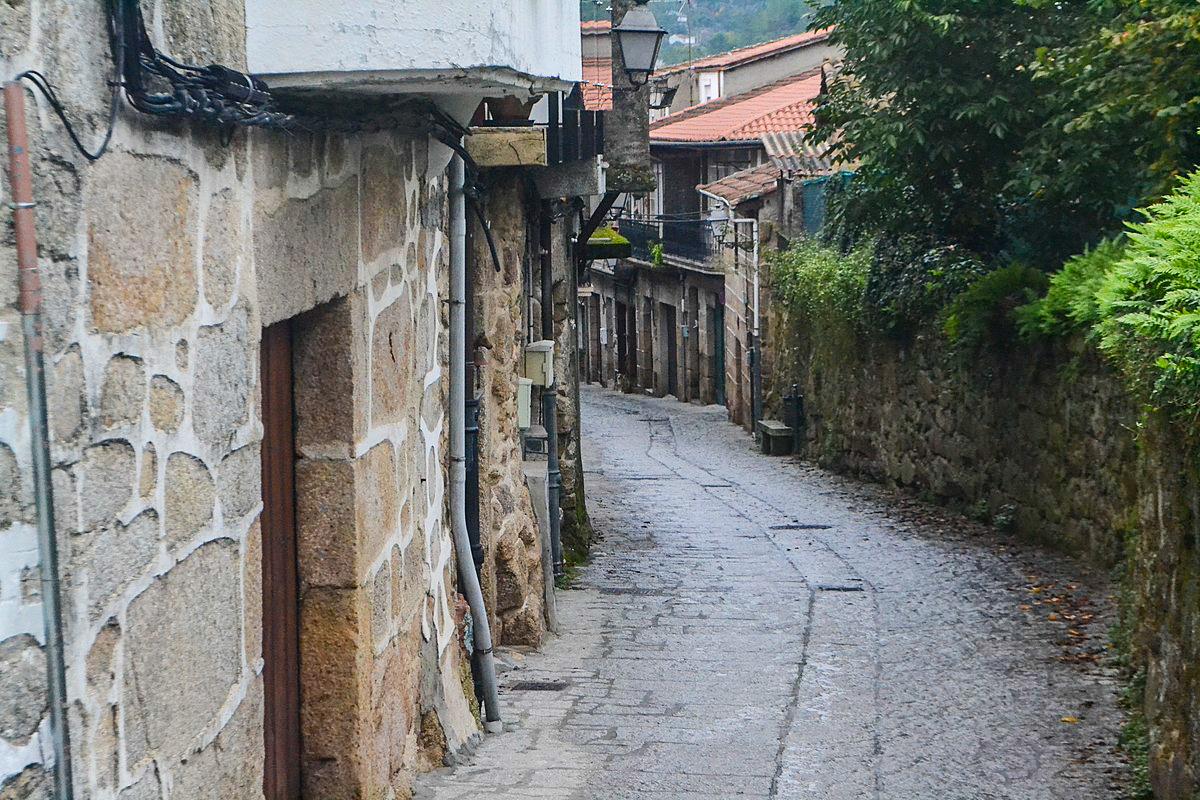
{"x": 639, "y": 37}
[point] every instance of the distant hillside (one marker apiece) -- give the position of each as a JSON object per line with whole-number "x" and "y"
{"x": 716, "y": 25}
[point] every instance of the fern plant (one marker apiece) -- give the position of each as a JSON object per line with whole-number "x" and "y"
{"x": 1149, "y": 303}
{"x": 1071, "y": 303}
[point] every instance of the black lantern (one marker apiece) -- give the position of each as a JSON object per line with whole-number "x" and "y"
{"x": 639, "y": 37}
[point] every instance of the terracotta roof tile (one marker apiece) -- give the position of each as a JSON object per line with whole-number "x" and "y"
{"x": 597, "y": 84}
{"x": 786, "y": 105}
{"x": 596, "y": 26}
{"x": 754, "y": 52}
{"x": 745, "y": 185}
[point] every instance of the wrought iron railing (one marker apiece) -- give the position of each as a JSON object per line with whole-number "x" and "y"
{"x": 657, "y": 238}
{"x": 643, "y": 237}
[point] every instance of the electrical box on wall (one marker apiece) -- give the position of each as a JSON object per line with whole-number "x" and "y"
{"x": 539, "y": 363}
{"x": 524, "y": 402}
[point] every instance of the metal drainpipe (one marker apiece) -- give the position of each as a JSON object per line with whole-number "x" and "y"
{"x": 755, "y": 351}
{"x": 29, "y": 285}
{"x": 756, "y": 403}
{"x": 472, "y": 405}
{"x": 550, "y": 393}
{"x": 458, "y": 467}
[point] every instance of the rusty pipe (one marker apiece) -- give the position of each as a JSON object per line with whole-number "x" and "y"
{"x": 30, "y": 303}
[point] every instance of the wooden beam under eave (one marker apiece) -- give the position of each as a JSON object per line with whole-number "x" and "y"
{"x": 508, "y": 147}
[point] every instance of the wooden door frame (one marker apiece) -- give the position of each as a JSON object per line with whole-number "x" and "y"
{"x": 280, "y": 579}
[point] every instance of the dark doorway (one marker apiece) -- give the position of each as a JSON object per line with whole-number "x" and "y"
{"x": 631, "y": 344}
{"x": 670, "y": 348}
{"x": 737, "y": 382}
{"x": 717, "y": 335}
{"x": 280, "y": 582}
{"x": 595, "y": 340}
{"x": 693, "y": 344}
{"x": 622, "y": 366}
{"x": 646, "y": 358}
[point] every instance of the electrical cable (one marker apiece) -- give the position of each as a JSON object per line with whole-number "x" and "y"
{"x": 227, "y": 98}
{"x": 38, "y": 81}
{"x": 43, "y": 85}
{"x": 474, "y": 202}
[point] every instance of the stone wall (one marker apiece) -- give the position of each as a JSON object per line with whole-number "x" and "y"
{"x": 1047, "y": 433}
{"x": 1163, "y": 601}
{"x": 576, "y": 528}
{"x": 163, "y": 262}
{"x": 1042, "y": 439}
{"x": 512, "y": 576}
{"x": 739, "y": 327}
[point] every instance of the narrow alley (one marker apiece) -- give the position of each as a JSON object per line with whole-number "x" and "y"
{"x": 755, "y": 627}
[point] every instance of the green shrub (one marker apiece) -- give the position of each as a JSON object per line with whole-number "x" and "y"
{"x": 985, "y": 313}
{"x": 911, "y": 282}
{"x": 1150, "y": 304}
{"x": 656, "y": 254}
{"x": 1071, "y": 302}
{"x": 821, "y": 283}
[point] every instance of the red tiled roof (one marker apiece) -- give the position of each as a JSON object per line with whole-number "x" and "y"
{"x": 785, "y": 105}
{"x": 597, "y": 84}
{"x": 596, "y": 26}
{"x": 792, "y": 153}
{"x": 745, "y": 185}
{"x": 754, "y": 52}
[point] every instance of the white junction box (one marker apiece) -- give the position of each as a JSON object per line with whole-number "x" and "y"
{"x": 539, "y": 363}
{"x": 524, "y": 403}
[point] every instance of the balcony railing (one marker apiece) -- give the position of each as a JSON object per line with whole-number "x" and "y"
{"x": 662, "y": 237}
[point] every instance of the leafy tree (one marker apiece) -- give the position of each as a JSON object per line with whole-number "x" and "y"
{"x": 935, "y": 102}
{"x": 1125, "y": 100}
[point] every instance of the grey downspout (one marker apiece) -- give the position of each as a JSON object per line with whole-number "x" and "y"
{"x": 550, "y": 393}
{"x": 468, "y": 577}
{"x": 472, "y": 404}
{"x": 29, "y": 285}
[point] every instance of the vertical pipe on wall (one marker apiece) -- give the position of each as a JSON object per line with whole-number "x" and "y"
{"x": 756, "y": 403}
{"x": 30, "y": 292}
{"x": 472, "y": 405}
{"x": 550, "y": 393}
{"x": 458, "y": 467}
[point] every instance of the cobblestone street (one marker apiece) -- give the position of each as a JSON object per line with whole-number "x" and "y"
{"x": 754, "y": 627}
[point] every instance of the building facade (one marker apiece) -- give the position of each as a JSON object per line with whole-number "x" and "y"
{"x": 687, "y": 314}
{"x": 745, "y": 69}
{"x": 247, "y": 355}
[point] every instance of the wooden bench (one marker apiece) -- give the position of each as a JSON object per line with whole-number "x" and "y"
{"x": 775, "y": 437}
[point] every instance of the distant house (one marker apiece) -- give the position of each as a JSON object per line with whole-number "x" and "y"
{"x": 706, "y": 143}
{"x": 686, "y": 314}
{"x": 597, "y": 65}
{"x": 725, "y": 75}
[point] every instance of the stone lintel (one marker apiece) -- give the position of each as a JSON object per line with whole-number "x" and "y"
{"x": 508, "y": 147}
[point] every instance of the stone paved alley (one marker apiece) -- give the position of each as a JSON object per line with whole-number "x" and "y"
{"x": 753, "y": 627}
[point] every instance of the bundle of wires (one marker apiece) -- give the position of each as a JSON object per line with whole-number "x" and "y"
{"x": 158, "y": 85}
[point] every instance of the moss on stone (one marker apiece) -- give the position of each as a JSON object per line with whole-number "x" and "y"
{"x": 630, "y": 179}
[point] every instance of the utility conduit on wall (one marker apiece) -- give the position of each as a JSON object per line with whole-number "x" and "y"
{"x": 21, "y": 183}
{"x": 458, "y": 466}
